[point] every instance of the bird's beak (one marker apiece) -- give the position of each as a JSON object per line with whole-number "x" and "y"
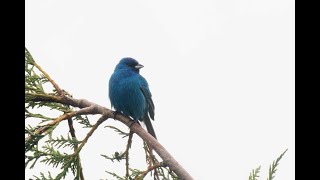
{"x": 139, "y": 66}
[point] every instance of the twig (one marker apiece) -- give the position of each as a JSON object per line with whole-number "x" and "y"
{"x": 150, "y": 168}
{"x": 100, "y": 120}
{"x": 150, "y": 158}
{"x": 127, "y": 152}
{"x": 71, "y": 129}
{"x": 73, "y": 135}
{"x": 65, "y": 116}
{"x": 55, "y": 85}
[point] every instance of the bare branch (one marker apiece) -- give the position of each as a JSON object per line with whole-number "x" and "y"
{"x": 150, "y": 168}
{"x": 100, "y": 121}
{"x": 127, "y": 152}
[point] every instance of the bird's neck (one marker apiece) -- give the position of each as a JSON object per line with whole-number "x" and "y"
{"x": 127, "y": 72}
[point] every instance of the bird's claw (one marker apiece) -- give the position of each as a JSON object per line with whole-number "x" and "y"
{"x": 134, "y": 121}
{"x": 114, "y": 114}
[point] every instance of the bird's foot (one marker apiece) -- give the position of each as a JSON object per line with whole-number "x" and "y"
{"x": 134, "y": 121}
{"x": 114, "y": 114}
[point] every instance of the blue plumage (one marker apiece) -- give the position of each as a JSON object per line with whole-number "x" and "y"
{"x": 129, "y": 92}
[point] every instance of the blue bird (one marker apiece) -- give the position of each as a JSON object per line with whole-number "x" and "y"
{"x": 129, "y": 93}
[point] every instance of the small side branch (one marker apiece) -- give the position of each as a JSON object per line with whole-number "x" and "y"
{"x": 55, "y": 85}
{"x": 150, "y": 158}
{"x": 127, "y": 152}
{"x": 100, "y": 121}
{"x": 65, "y": 116}
{"x": 73, "y": 135}
{"x": 150, "y": 168}
{"x": 71, "y": 129}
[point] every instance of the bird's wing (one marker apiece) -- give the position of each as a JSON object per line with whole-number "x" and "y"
{"x": 147, "y": 94}
{"x": 144, "y": 87}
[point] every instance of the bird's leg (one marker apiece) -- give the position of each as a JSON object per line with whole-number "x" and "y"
{"x": 134, "y": 121}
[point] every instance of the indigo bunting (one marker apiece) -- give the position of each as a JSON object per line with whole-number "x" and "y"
{"x": 129, "y": 93}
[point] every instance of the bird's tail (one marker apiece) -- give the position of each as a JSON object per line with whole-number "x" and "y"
{"x": 149, "y": 126}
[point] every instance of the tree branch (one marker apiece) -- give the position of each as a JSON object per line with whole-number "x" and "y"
{"x": 135, "y": 127}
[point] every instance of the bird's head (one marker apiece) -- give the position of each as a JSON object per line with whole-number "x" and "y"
{"x": 129, "y": 63}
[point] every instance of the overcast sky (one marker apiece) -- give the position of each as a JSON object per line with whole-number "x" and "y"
{"x": 221, "y": 73}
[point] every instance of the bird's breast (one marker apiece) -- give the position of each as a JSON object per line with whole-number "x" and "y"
{"x": 126, "y": 96}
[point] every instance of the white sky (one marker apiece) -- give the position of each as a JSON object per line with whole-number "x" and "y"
{"x": 221, "y": 73}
